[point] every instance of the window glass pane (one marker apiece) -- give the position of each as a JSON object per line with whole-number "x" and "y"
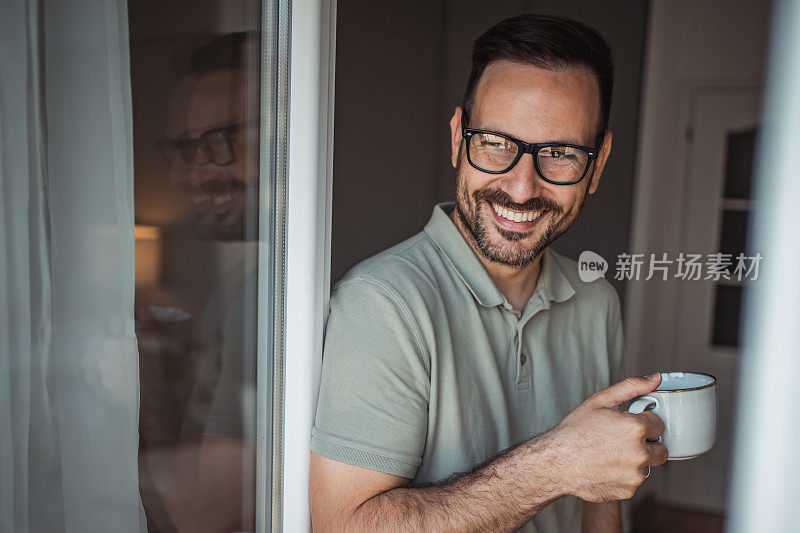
{"x": 739, "y": 163}
{"x": 733, "y": 237}
{"x": 727, "y": 308}
{"x": 196, "y": 78}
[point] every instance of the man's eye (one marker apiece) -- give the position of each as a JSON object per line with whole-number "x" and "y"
{"x": 496, "y": 144}
{"x": 490, "y": 144}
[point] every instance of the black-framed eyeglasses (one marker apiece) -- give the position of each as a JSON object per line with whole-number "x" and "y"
{"x": 211, "y": 146}
{"x": 556, "y": 163}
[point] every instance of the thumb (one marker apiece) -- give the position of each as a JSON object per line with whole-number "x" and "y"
{"x": 627, "y": 389}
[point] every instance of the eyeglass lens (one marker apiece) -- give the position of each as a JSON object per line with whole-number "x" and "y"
{"x": 211, "y": 147}
{"x": 495, "y": 153}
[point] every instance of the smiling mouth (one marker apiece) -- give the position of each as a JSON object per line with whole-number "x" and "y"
{"x": 517, "y": 216}
{"x": 216, "y": 199}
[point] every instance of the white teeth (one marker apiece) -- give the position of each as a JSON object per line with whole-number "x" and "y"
{"x": 199, "y": 198}
{"x": 517, "y": 216}
{"x": 224, "y": 198}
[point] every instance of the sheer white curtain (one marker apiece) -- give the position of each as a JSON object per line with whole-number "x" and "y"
{"x": 68, "y": 359}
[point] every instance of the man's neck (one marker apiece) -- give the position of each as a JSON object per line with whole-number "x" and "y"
{"x": 515, "y": 283}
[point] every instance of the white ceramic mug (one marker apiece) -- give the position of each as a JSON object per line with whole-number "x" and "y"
{"x": 687, "y": 403}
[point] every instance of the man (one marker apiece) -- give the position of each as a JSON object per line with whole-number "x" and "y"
{"x": 456, "y": 364}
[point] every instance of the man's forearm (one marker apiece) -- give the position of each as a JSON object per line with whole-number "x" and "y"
{"x": 499, "y": 495}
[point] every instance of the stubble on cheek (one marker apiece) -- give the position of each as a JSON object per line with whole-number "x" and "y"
{"x": 464, "y": 208}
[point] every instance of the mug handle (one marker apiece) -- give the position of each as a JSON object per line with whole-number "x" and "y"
{"x": 641, "y": 405}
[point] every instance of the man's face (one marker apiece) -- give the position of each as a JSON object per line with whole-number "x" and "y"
{"x": 536, "y": 106}
{"x": 221, "y": 191}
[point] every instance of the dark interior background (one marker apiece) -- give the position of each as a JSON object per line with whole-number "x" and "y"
{"x": 401, "y": 68}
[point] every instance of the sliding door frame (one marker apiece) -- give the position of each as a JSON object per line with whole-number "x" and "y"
{"x": 299, "y": 50}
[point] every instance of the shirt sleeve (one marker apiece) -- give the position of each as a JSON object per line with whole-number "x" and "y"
{"x": 373, "y": 402}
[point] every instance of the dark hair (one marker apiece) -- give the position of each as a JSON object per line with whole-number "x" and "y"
{"x": 228, "y": 51}
{"x": 546, "y": 42}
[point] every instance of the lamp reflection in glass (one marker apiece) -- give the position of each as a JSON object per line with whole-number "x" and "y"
{"x": 164, "y": 337}
{"x": 148, "y": 256}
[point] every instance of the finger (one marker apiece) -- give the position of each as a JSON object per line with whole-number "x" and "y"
{"x": 625, "y": 390}
{"x": 654, "y": 426}
{"x": 658, "y": 453}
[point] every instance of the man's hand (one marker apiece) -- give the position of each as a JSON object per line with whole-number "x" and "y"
{"x": 604, "y": 452}
{"x": 597, "y": 453}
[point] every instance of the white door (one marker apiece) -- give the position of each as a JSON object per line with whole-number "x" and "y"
{"x": 721, "y": 134}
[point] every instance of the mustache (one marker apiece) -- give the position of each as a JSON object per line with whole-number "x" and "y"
{"x": 501, "y": 198}
{"x": 216, "y": 186}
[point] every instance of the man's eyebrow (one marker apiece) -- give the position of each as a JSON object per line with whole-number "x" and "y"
{"x": 564, "y": 141}
{"x": 549, "y": 141}
{"x": 196, "y": 132}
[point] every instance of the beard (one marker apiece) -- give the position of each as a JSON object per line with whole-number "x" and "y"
{"x": 225, "y": 211}
{"x": 501, "y": 245}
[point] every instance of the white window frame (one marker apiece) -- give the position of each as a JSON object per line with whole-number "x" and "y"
{"x": 309, "y": 168}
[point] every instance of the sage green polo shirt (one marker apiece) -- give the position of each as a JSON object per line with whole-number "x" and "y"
{"x": 428, "y": 371}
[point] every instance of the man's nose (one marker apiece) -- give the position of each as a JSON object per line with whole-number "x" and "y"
{"x": 202, "y": 174}
{"x": 523, "y": 181}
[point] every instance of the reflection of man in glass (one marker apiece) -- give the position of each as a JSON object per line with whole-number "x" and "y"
{"x": 197, "y": 472}
{"x": 217, "y": 150}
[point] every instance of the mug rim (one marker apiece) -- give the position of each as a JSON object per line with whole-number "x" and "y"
{"x": 713, "y": 382}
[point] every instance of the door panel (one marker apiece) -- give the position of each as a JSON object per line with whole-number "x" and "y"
{"x": 717, "y": 205}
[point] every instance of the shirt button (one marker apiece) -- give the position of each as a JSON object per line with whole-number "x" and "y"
{"x": 522, "y": 358}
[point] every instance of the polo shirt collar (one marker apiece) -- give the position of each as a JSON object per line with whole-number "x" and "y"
{"x": 553, "y": 283}
{"x": 552, "y": 286}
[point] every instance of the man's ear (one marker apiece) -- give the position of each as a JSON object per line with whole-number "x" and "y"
{"x": 455, "y": 136}
{"x": 600, "y": 163}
